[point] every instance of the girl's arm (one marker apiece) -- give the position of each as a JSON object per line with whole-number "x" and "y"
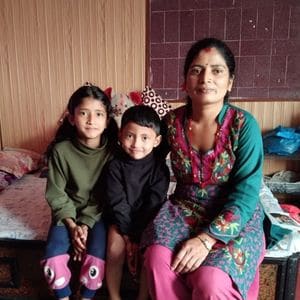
{"x": 61, "y": 205}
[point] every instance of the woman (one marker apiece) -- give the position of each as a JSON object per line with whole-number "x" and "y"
{"x": 207, "y": 241}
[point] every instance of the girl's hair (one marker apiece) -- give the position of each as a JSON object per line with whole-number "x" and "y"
{"x": 222, "y": 48}
{"x": 66, "y": 131}
{"x": 142, "y": 115}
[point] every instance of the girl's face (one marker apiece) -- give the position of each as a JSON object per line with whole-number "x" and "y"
{"x": 208, "y": 79}
{"x": 90, "y": 119}
{"x": 138, "y": 141}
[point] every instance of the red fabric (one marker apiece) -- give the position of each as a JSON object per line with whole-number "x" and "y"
{"x": 293, "y": 210}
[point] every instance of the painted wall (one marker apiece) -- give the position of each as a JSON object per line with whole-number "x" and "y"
{"x": 48, "y": 48}
{"x": 263, "y": 34}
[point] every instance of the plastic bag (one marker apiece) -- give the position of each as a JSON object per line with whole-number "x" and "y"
{"x": 282, "y": 141}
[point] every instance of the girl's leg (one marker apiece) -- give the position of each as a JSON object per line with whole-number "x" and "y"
{"x": 209, "y": 283}
{"x": 55, "y": 261}
{"x": 163, "y": 283}
{"x": 93, "y": 265}
{"x": 116, "y": 252}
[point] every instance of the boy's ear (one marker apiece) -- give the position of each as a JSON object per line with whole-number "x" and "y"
{"x": 71, "y": 119}
{"x": 157, "y": 140}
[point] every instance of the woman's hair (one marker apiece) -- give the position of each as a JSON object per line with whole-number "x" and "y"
{"x": 222, "y": 48}
{"x": 67, "y": 131}
{"x": 142, "y": 115}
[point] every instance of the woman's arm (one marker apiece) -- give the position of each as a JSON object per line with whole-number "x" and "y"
{"x": 245, "y": 182}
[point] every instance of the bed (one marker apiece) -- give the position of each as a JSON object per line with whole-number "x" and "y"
{"x": 24, "y": 212}
{"x": 24, "y": 220}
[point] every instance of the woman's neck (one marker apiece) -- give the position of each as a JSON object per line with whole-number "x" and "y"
{"x": 205, "y": 113}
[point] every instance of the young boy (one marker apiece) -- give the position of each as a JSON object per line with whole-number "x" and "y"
{"x": 136, "y": 185}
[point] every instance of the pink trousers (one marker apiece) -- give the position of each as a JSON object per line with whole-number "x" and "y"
{"x": 204, "y": 283}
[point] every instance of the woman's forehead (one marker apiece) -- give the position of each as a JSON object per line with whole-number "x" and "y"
{"x": 209, "y": 56}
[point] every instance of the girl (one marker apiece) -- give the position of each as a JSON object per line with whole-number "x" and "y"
{"x": 83, "y": 144}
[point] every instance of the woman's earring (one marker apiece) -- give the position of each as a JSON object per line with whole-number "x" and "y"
{"x": 183, "y": 87}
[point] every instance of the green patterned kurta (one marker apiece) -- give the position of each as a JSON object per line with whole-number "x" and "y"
{"x": 217, "y": 192}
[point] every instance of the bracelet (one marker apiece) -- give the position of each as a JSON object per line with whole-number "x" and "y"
{"x": 205, "y": 243}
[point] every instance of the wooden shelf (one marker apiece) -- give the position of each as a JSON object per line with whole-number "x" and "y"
{"x": 294, "y": 156}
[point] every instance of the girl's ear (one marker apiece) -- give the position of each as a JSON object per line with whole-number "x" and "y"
{"x": 157, "y": 140}
{"x": 107, "y": 122}
{"x": 71, "y": 119}
{"x": 119, "y": 133}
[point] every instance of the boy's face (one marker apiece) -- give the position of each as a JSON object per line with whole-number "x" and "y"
{"x": 138, "y": 141}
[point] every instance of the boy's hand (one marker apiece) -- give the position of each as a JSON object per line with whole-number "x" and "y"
{"x": 132, "y": 256}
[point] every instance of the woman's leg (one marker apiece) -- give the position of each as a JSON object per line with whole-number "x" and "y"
{"x": 116, "y": 253}
{"x": 211, "y": 283}
{"x": 55, "y": 261}
{"x": 254, "y": 287}
{"x": 163, "y": 283}
{"x": 93, "y": 266}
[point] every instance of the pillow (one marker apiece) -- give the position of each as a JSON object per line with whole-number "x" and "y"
{"x": 18, "y": 162}
{"x": 151, "y": 98}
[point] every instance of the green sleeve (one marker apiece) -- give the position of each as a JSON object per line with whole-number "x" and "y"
{"x": 244, "y": 183}
{"x": 91, "y": 213}
{"x": 61, "y": 205}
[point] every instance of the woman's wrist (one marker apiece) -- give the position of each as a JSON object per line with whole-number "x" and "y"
{"x": 206, "y": 241}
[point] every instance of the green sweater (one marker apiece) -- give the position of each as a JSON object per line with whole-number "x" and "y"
{"x": 73, "y": 172}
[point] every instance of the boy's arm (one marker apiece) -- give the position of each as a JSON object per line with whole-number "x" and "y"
{"x": 118, "y": 210}
{"x": 155, "y": 196}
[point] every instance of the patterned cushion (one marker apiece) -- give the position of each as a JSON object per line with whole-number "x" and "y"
{"x": 151, "y": 98}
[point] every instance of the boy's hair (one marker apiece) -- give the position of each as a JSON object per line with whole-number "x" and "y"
{"x": 66, "y": 131}
{"x": 142, "y": 115}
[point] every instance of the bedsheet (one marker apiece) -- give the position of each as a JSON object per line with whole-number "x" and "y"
{"x": 24, "y": 212}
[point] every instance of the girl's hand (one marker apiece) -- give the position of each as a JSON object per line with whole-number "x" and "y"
{"x": 191, "y": 255}
{"x": 78, "y": 249}
{"x": 79, "y": 237}
{"x": 78, "y": 254}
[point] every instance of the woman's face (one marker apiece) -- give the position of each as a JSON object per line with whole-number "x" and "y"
{"x": 208, "y": 79}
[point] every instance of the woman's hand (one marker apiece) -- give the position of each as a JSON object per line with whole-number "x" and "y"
{"x": 191, "y": 255}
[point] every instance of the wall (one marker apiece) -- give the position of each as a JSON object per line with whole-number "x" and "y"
{"x": 48, "y": 48}
{"x": 263, "y": 34}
